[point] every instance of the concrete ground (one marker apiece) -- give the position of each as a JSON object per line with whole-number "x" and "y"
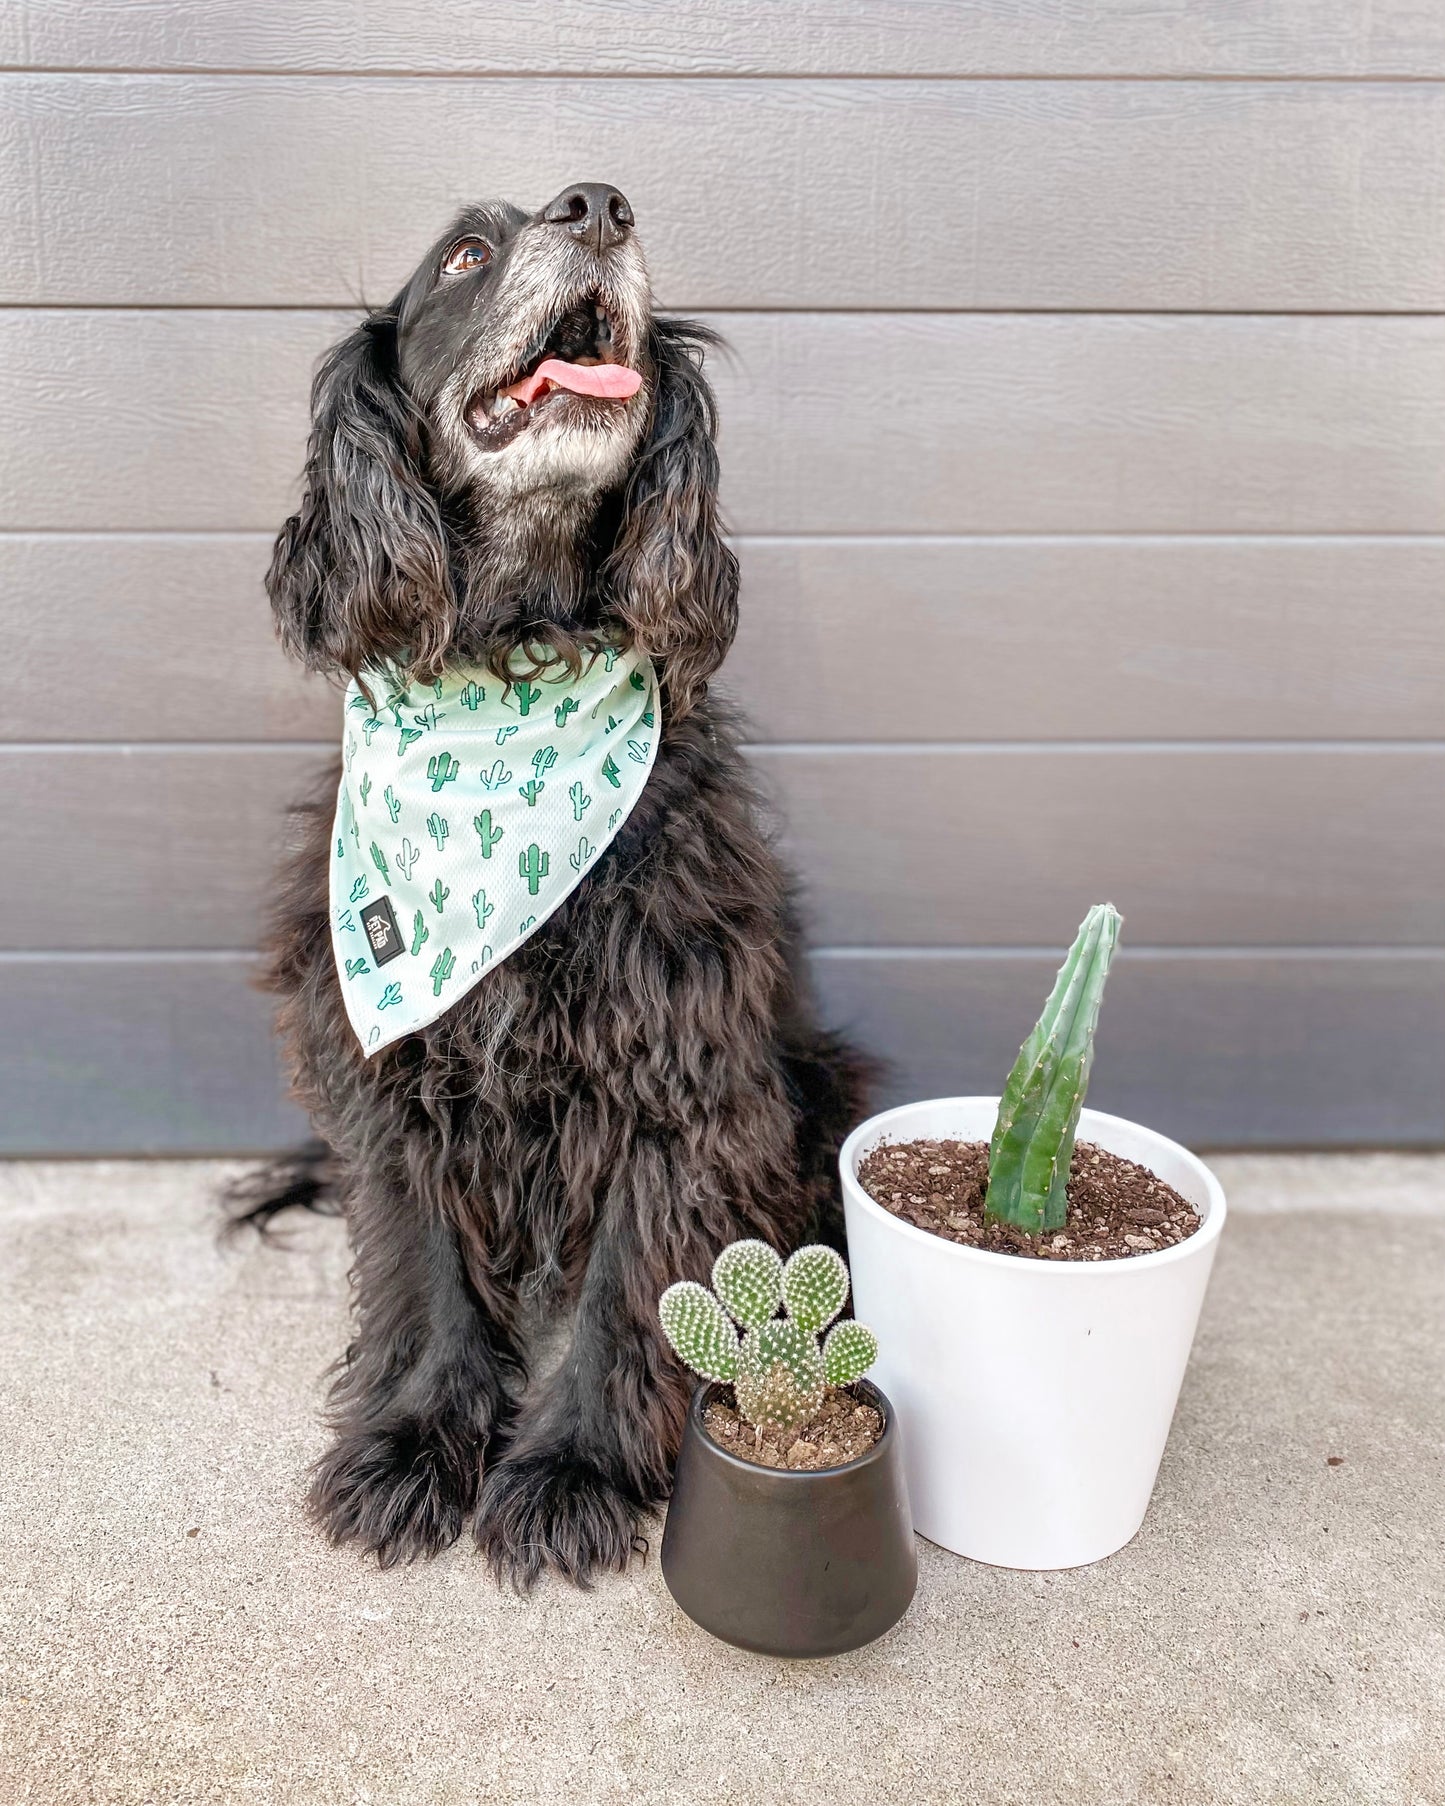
{"x": 173, "y": 1630}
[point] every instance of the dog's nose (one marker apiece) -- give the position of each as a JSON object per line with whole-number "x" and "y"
{"x": 594, "y": 212}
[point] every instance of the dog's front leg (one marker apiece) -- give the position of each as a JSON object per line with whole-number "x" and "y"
{"x": 422, "y": 1390}
{"x": 595, "y": 1452}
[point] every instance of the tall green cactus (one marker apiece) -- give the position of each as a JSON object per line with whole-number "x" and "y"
{"x": 441, "y": 970}
{"x": 436, "y": 826}
{"x": 441, "y": 768}
{"x": 486, "y": 833}
{"x": 1038, "y": 1114}
{"x": 472, "y": 696}
{"x": 777, "y": 1371}
{"x": 533, "y": 865}
{"x": 526, "y": 694}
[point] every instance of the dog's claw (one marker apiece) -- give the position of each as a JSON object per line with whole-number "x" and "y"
{"x": 545, "y": 1511}
{"x": 398, "y": 1493}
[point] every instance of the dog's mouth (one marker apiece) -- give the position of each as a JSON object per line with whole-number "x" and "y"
{"x": 575, "y": 360}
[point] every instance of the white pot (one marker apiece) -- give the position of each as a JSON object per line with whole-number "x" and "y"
{"x": 1034, "y": 1396}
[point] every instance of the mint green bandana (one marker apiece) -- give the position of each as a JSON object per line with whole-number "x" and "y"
{"x": 469, "y": 809}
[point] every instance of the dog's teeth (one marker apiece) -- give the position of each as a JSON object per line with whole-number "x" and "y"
{"x": 505, "y": 404}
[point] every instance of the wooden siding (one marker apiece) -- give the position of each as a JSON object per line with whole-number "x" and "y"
{"x": 145, "y": 1054}
{"x": 1289, "y": 39}
{"x": 1194, "y": 637}
{"x": 1084, "y": 448}
{"x": 955, "y": 194}
{"x": 156, "y": 846}
{"x": 833, "y": 423}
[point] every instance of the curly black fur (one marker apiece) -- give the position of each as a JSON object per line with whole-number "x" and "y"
{"x": 643, "y": 1080}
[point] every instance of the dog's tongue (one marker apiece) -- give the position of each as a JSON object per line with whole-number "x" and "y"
{"x": 615, "y": 381}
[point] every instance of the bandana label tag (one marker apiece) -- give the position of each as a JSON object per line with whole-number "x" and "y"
{"x": 378, "y": 922}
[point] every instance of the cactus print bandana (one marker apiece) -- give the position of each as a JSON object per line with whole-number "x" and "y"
{"x": 468, "y": 810}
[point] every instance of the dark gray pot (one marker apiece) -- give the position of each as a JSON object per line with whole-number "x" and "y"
{"x": 790, "y": 1564}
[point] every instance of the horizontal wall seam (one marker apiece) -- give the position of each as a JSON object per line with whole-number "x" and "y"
{"x": 807, "y": 748}
{"x": 1426, "y": 951}
{"x": 1103, "y": 536}
{"x": 165, "y": 746}
{"x": 913, "y": 748}
{"x": 38, "y": 530}
{"x": 1429, "y": 951}
{"x": 274, "y": 73}
{"x": 323, "y": 308}
{"x": 784, "y": 312}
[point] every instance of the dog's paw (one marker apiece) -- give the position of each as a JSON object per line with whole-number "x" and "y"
{"x": 400, "y": 1493}
{"x": 555, "y": 1511}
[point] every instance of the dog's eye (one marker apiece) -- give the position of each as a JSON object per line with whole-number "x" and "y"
{"x": 467, "y": 254}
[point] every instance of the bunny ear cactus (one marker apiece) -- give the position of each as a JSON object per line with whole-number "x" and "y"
{"x": 748, "y": 1278}
{"x": 1038, "y": 1115}
{"x": 777, "y": 1370}
{"x": 700, "y": 1330}
{"x": 780, "y": 1380}
{"x": 815, "y": 1286}
{"x": 849, "y": 1351}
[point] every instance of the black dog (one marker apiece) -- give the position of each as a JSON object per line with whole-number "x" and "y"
{"x": 641, "y": 1081}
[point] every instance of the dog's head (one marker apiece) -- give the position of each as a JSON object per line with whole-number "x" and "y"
{"x": 515, "y": 452}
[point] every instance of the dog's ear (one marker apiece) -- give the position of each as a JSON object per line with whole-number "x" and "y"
{"x": 670, "y": 577}
{"x": 360, "y": 573}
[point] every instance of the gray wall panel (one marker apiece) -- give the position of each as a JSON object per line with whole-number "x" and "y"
{"x": 159, "y": 638}
{"x": 1010, "y": 846}
{"x": 133, "y": 847}
{"x": 175, "y": 847}
{"x": 1074, "y": 639}
{"x": 1113, "y": 195}
{"x": 990, "y": 37}
{"x": 116, "y": 1054}
{"x": 1227, "y": 1050}
{"x": 1083, "y": 442}
{"x": 841, "y": 423}
{"x": 138, "y": 1056}
{"x": 900, "y": 639}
